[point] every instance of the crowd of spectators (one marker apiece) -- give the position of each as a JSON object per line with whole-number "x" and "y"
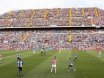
{"x": 55, "y": 38}
{"x": 77, "y": 12}
{"x": 56, "y": 16}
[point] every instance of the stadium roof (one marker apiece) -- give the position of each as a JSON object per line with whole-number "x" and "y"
{"x": 7, "y": 5}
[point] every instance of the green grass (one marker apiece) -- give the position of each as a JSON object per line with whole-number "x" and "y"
{"x": 88, "y": 65}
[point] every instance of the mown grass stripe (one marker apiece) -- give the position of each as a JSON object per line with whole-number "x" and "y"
{"x": 13, "y": 58}
{"x": 13, "y": 53}
{"x": 38, "y": 66}
{"x": 88, "y": 66}
{"x": 43, "y": 69}
{"x": 11, "y": 68}
{"x": 95, "y": 54}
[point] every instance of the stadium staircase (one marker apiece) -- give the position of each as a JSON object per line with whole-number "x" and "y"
{"x": 25, "y": 36}
{"x": 9, "y": 14}
{"x": 28, "y": 23}
{"x": 70, "y": 12}
{"x": 9, "y": 23}
{"x": 70, "y": 19}
{"x": 32, "y": 16}
{"x": 45, "y": 14}
{"x": 58, "y": 12}
{"x": 21, "y": 15}
{"x": 93, "y": 31}
{"x": 70, "y": 22}
{"x": 83, "y": 12}
{"x": 96, "y": 11}
{"x": 6, "y": 33}
{"x": 70, "y": 36}
{"x": 92, "y": 21}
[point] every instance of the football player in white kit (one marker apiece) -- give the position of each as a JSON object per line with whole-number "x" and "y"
{"x": 0, "y": 58}
{"x": 54, "y": 62}
{"x": 99, "y": 53}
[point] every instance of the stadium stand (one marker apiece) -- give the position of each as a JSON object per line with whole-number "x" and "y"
{"x": 57, "y": 16}
{"x": 65, "y": 38}
{"x": 27, "y": 39}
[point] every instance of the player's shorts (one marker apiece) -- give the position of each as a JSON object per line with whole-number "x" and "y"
{"x": 75, "y": 57}
{"x": 41, "y": 51}
{"x": 18, "y": 58}
{"x": 0, "y": 58}
{"x": 70, "y": 65}
{"x": 99, "y": 53}
{"x": 20, "y": 68}
{"x": 33, "y": 51}
{"x": 54, "y": 65}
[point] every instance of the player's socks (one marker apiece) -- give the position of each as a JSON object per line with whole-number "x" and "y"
{"x": 68, "y": 68}
{"x": 51, "y": 69}
{"x": 19, "y": 73}
{"x": 55, "y": 70}
{"x": 44, "y": 53}
{"x": 22, "y": 74}
{"x": 73, "y": 68}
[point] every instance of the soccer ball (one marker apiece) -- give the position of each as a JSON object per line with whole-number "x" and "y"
{"x": 74, "y": 69}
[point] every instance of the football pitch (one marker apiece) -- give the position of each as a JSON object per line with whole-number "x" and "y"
{"x": 88, "y": 65}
